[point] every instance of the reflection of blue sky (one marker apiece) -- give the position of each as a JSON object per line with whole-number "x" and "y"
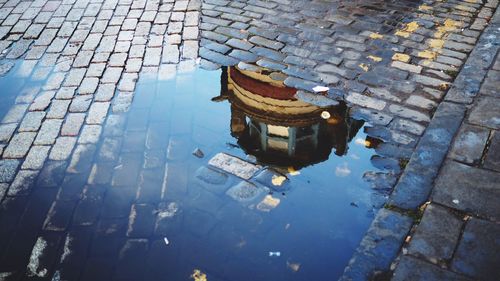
{"x": 323, "y": 226}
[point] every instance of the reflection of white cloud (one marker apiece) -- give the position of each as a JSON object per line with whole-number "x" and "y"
{"x": 342, "y": 170}
{"x": 355, "y": 157}
{"x": 360, "y": 141}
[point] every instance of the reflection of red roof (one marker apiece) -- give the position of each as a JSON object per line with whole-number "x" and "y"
{"x": 261, "y": 88}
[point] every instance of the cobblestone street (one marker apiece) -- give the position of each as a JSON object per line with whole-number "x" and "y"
{"x": 87, "y": 150}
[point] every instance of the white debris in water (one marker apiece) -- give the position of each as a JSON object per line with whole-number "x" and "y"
{"x": 169, "y": 212}
{"x": 456, "y": 201}
{"x": 166, "y": 240}
{"x": 319, "y": 89}
{"x": 274, "y": 254}
{"x": 36, "y": 254}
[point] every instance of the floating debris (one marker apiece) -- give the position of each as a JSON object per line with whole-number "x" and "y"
{"x": 166, "y": 240}
{"x": 320, "y": 89}
{"x": 198, "y": 153}
{"x": 274, "y": 254}
{"x": 293, "y": 266}
{"x": 455, "y": 201}
{"x": 198, "y": 275}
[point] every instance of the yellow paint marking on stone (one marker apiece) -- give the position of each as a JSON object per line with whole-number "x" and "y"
{"x": 278, "y": 180}
{"x": 443, "y": 86}
{"x": 424, "y": 7}
{"x": 448, "y": 26}
{"x": 427, "y": 54}
{"x": 375, "y": 35}
{"x": 407, "y": 30}
{"x": 401, "y": 57}
{"x": 426, "y": 62}
{"x": 436, "y": 43}
{"x": 364, "y": 66}
{"x": 375, "y": 58}
{"x": 411, "y": 27}
{"x": 198, "y": 275}
{"x": 402, "y": 34}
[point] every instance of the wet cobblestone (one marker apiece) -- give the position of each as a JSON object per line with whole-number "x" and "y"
{"x": 393, "y": 61}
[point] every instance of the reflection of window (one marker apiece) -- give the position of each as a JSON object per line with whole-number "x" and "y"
{"x": 280, "y": 131}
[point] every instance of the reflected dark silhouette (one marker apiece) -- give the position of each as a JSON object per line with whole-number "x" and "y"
{"x": 278, "y": 129}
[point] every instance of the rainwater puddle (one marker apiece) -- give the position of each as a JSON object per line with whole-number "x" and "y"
{"x": 256, "y": 187}
{"x": 217, "y": 174}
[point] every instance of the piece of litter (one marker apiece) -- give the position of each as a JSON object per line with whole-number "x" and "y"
{"x": 455, "y": 201}
{"x": 198, "y": 153}
{"x": 274, "y": 254}
{"x": 293, "y": 266}
{"x": 325, "y": 115}
{"x": 118, "y": 167}
{"x": 278, "y": 180}
{"x": 320, "y": 89}
{"x": 166, "y": 240}
{"x": 198, "y": 275}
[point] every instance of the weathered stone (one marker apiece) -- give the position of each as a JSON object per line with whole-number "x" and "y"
{"x": 23, "y": 183}
{"x": 8, "y": 169}
{"x": 477, "y": 253}
{"x": 468, "y": 189}
{"x": 492, "y": 159}
{"x": 32, "y": 122}
{"x": 48, "y": 132}
{"x": 19, "y": 145}
{"x": 36, "y": 157}
{"x": 436, "y": 235}
{"x": 485, "y": 113}
{"x": 365, "y": 101}
{"x": 141, "y": 221}
{"x": 469, "y": 144}
{"x": 62, "y": 148}
{"x": 379, "y": 247}
{"x": 90, "y": 134}
{"x": 410, "y": 268}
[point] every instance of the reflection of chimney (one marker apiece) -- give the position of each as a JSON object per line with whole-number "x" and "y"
{"x": 238, "y": 121}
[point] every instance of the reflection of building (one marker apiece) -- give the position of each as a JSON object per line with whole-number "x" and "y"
{"x": 271, "y": 124}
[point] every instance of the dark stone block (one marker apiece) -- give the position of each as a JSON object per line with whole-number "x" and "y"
{"x": 436, "y": 235}
{"x": 410, "y": 268}
{"x": 468, "y": 189}
{"x": 141, "y": 221}
{"x": 379, "y": 247}
{"x": 131, "y": 260}
{"x": 477, "y": 254}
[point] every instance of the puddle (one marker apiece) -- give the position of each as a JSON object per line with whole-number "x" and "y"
{"x": 224, "y": 175}
{"x": 295, "y": 187}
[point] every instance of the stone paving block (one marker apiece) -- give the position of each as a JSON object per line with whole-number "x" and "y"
{"x": 62, "y": 148}
{"x": 59, "y": 215}
{"x": 415, "y": 183}
{"x": 48, "y": 132}
{"x": 97, "y": 113}
{"x": 82, "y": 158}
{"x": 477, "y": 254}
{"x": 23, "y": 183}
{"x": 43, "y": 256}
{"x": 379, "y": 247}
{"x": 36, "y": 157}
{"x": 468, "y": 189}
{"x": 15, "y": 114}
{"x": 141, "y": 221}
{"x": 469, "y": 144}
{"x": 58, "y": 109}
{"x": 8, "y": 168}
{"x": 6, "y": 131}
{"x": 19, "y": 145}
{"x": 88, "y": 209}
{"x": 485, "y": 113}
{"x": 72, "y": 124}
{"x": 410, "y": 268}
{"x": 437, "y": 234}
{"x": 492, "y": 159}
{"x": 131, "y": 259}
{"x": 31, "y": 122}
